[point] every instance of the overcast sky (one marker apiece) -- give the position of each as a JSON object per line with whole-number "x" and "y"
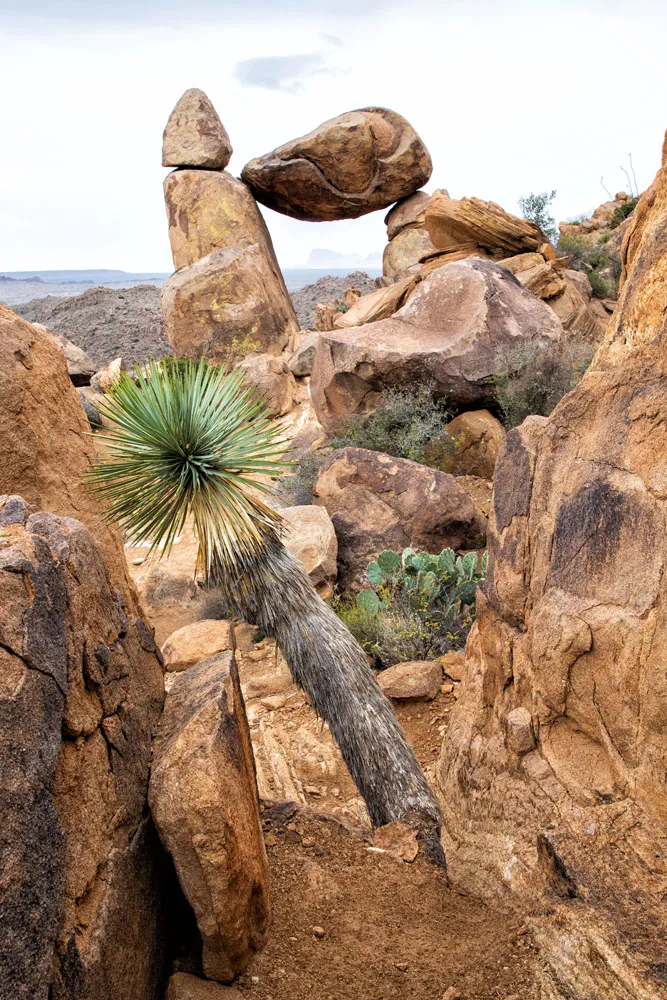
{"x": 509, "y": 97}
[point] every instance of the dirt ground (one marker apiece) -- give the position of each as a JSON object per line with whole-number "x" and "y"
{"x": 350, "y": 923}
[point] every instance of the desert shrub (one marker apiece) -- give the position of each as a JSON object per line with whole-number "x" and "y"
{"x": 418, "y": 606}
{"x": 535, "y": 376}
{"x": 601, "y": 264}
{"x": 622, "y": 211}
{"x": 296, "y": 486}
{"x": 535, "y": 208}
{"x": 402, "y": 424}
{"x": 602, "y": 289}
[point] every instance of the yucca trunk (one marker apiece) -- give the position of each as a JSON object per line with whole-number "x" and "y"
{"x": 328, "y": 663}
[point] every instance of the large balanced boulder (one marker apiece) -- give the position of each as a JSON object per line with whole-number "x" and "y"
{"x": 81, "y": 694}
{"x": 195, "y": 136}
{"x": 203, "y": 797}
{"x": 553, "y": 768}
{"x": 377, "y": 502}
{"x": 453, "y": 331}
{"x": 351, "y": 165}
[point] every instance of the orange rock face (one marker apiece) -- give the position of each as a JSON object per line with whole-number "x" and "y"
{"x": 351, "y": 165}
{"x": 552, "y": 771}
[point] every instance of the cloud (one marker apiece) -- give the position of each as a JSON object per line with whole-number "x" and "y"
{"x": 285, "y": 73}
{"x": 331, "y": 40}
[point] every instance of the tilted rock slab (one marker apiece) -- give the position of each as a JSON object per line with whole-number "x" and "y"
{"x": 380, "y": 502}
{"x": 203, "y": 797}
{"x": 553, "y": 768}
{"x": 195, "y": 136}
{"x": 453, "y": 330}
{"x": 451, "y": 222}
{"x": 348, "y": 166}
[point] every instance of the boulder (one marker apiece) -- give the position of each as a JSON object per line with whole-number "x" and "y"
{"x": 377, "y": 305}
{"x": 185, "y": 987}
{"x": 203, "y": 797}
{"x": 406, "y": 251}
{"x": 418, "y": 680}
{"x": 453, "y": 664}
{"x": 227, "y": 305}
{"x": 193, "y": 643}
{"x": 581, "y": 315}
{"x": 407, "y": 212}
{"x": 538, "y": 275}
{"x": 272, "y": 380}
{"x": 102, "y": 380}
{"x": 195, "y": 136}
{"x": 470, "y": 445}
{"x": 451, "y": 331}
{"x": 569, "y": 652}
{"x": 377, "y": 502}
{"x": 211, "y": 210}
{"x": 451, "y": 223}
{"x": 301, "y": 362}
{"x": 311, "y": 538}
{"x": 348, "y": 166}
{"x": 81, "y": 369}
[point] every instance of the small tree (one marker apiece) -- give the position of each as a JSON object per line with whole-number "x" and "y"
{"x": 191, "y": 440}
{"x": 535, "y": 208}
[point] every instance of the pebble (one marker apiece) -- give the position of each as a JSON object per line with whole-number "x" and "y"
{"x": 138, "y": 562}
{"x": 319, "y": 932}
{"x": 401, "y": 966}
{"x": 254, "y": 979}
{"x": 451, "y": 994}
{"x": 447, "y": 688}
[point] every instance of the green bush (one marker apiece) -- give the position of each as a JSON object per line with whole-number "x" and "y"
{"x": 622, "y": 211}
{"x": 403, "y": 424}
{"x": 535, "y": 207}
{"x": 595, "y": 260}
{"x": 535, "y": 376}
{"x": 418, "y": 605}
{"x": 296, "y": 487}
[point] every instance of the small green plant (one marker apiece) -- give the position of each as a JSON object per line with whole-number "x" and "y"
{"x": 403, "y": 424}
{"x": 622, "y": 211}
{"x": 602, "y": 265}
{"x": 295, "y": 488}
{"x": 535, "y": 376}
{"x": 535, "y": 208}
{"x": 418, "y": 605}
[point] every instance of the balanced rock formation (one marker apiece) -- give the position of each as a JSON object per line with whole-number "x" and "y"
{"x": 195, "y": 136}
{"x": 203, "y": 797}
{"x": 351, "y": 165}
{"x": 81, "y": 694}
{"x": 377, "y": 502}
{"x": 552, "y": 771}
{"x": 408, "y": 239}
{"x": 452, "y": 331}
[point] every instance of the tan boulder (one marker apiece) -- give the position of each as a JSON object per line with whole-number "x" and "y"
{"x": 103, "y": 379}
{"x": 195, "y": 136}
{"x": 312, "y": 540}
{"x": 453, "y": 664}
{"x": 376, "y": 305}
{"x": 451, "y": 223}
{"x": 351, "y": 165}
{"x": 418, "y": 680}
{"x": 581, "y": 315}
{"x": 377, "y": 502}
{"x": 193, "y": 643}
{"x": 569, "y": 650}
{"x": 227, "y": 305}
{"x": 326, "y": 314}
{"x": 451, "y": 331}
{"x": 203, "y": 797}
{"x": 407, "y": 212}
{"x": 470, "y": 445}
{"x": 212, "y": 210}
{"x": 185, "y": 987}
{"x": 301, "y": 362}
{"x": 406, "y": 251}
{"x": 536, "y": 274}
{"x": 272, "y": 381}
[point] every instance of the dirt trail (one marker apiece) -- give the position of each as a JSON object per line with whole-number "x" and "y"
{"x": 392, "y": 931}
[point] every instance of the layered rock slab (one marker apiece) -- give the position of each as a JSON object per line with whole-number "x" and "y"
{"x": 350, "y": 165}
{"x": 203, "y": 797}
{"x": 454, "y": 331}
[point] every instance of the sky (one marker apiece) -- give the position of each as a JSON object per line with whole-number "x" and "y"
{"x": 509, "y": 97}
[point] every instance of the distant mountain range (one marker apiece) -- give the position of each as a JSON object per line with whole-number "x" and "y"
{"x": 101, "y": 276}
{"x": 321, "y": 258}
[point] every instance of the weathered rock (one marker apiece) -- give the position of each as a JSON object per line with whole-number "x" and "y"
{"x": 102, "y": 380}
{"x": 185, "y": 987}
{"x": 203, "y": 797}
{"x": 470, "y": 445}
{"x": 348, "y": 166}
{"x": 378, "y": 502}
{"x": 227, "y": 305}
{"x": 418, "y": 680}
{"x": 193, "y": 643}
{"x": 301, "y": 362}
{"x": 272, "y": 380}
{"x": 195, "y": 136}
{"x": 312, "y": 539}
{"x": 398, "y": 839}
{"x": 570, "y": 631}
{"x": 577, "y": 311}
{"x": 406, "y": 251}
{"x": 81, "y": 369}
{"x": 451, "y": 331}
{"x": 536, "y": 274}
{"x": 376, "y": 305}
{"x": 451, "y": 223}
{"x": 453, "y": 664}
{"x": 90, "y": 401}
{"x": 211, "y": 210}
{"x": 408, "y": 212}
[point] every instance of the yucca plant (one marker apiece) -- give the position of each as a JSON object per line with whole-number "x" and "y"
{"x": 191, "y": 440}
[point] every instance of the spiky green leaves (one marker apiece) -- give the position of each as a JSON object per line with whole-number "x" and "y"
{"x": 190, "y": 440}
